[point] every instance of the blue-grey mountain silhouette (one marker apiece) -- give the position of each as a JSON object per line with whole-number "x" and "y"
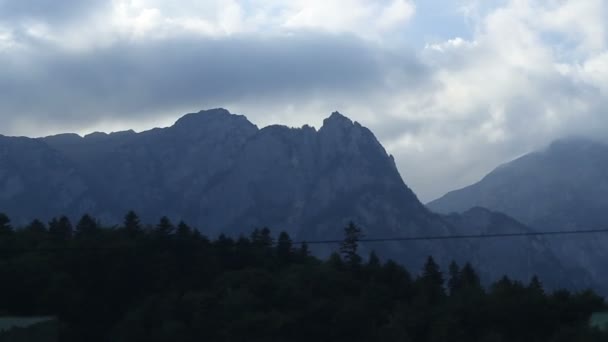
{"x": 563, "y": 187}
{"x": 222, "y": 174}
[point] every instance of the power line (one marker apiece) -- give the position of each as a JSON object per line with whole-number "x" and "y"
{"x": 338, "y": 241}
{"x": 462, "y": 237}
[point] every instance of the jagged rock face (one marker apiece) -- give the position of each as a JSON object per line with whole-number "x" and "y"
{"x": 564, "y": 187}
{"x": 221, "y": 173}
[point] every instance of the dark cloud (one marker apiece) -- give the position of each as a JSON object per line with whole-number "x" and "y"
{"x": 135, "y": 79}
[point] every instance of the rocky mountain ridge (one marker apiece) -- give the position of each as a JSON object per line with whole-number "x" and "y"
{"x": 223, "y": 174}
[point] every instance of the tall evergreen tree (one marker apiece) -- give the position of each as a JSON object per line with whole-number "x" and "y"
{"x": 36, "y": 227}
{"x": 262, "y": 237}
{"x": 432, "y": 282}
{"x": 536, "y": 286}
{"x": 5, "y": 225}
{"x": 470, "y": 279}
{"x": 350, "y": 244}
{"x": 455, "y": 280}
{"x": 87, "y": 225}
{"x": 183, "y": 230}
{"x": 131, "y": 224}
{"x": 164, "y": 226}
{"x": 373, "y": 260}
{"x": 284, "y": 246}
{"x": 61, "y": 229}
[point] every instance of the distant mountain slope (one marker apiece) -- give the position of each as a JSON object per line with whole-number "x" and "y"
{"x": 518, "y": 255}
{"x": 221, "y": 173}
{"x": 34, "y": 178}
{"x": 562, "y": 187}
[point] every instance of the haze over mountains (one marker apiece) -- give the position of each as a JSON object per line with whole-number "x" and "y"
{"x": 563, "y": 187}
{"x": 222, "y": 174}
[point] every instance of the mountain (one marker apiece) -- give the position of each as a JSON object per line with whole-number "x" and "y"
{"x": 222, "y": 174}
{"x": 562, "y": 187}
{"x": 36, "y": 180}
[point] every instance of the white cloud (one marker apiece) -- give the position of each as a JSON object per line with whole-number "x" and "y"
{"x": 512, "y": 88}
{"x": 362, "y": 17}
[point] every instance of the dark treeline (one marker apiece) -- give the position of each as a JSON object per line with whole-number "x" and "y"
{"x": 169, "y": 283}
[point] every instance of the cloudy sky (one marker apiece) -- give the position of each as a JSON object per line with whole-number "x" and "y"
{"x": 451, "y": 88}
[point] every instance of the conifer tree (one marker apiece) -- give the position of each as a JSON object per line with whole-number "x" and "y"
{"x": 284, "y": 246}
{"x": 432, "y": 281}
{"x": 536, "y": 286}
{"x": 5, "y": 225}
{"x": 350, "y": 244}
{"x": 86, "y": 225}
{"x": 373, "y": 260}
{"x": 36, "y": 227}
{"x": 131, "y": 224}
{"x": 183, "y": 230}
{"x": 455, "y": 281}
{"x": 61, "y": 229}
{"x": 470, "y": 279}
{"x": 164, "y": 226}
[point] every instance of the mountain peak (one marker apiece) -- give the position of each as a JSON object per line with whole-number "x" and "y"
{"x": 336, "y": 119}
{"x": 216, "y": 118}
{"x": 204, "y": 115}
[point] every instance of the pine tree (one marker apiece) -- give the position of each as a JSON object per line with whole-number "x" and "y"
{"x": 536, "y": 286}
{"x": 183, "y": 230}
{"x": 61, "y": 229}
{"x": 131, "y": 224}
{"x": 36, "y": 227}
{"x": 86, "y": 226}
{"x": 350, "y": 244}
{"x": 470, "y": 279}
{"x": 432, "y": 281}
{"x": 164, "y": 227}
{"x": 5, "y": 225}
{"x": 455, "y": 281}
{"x": 373, "y": 260}
{"x": 284, "y": 246}
{"x": 266, "y": 238}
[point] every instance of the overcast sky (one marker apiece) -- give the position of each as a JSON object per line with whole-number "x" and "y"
{"x": 451, "y": 88}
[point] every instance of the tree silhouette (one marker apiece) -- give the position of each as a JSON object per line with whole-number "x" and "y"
{"x": 470, "y": 279}
{"x": 5, "y": 225}
{"x": 164, "y": 227}
{"x": 350, "y": 244}
{"x": 86, "y": 226}
{"x": 36, "y": 227}
{"x": 61, "y": 229}
{"x": 284, "y": 246}
{"x": 131, "y": 224}
{"x": 184, "y": 287}
{"x": 183, "y": 230}
{"x": 455, "y": 280}
{"x": 432, "y": 282}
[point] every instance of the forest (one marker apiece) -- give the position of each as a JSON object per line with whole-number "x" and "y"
{"x": 168, "y": 282}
